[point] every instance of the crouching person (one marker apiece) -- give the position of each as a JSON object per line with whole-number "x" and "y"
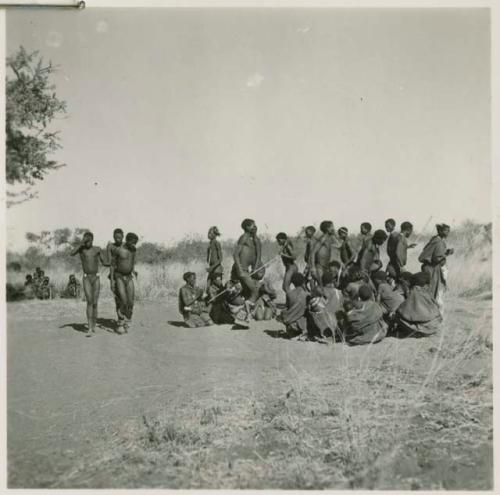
{"x": 294, "y": 316}
{"x": 388, "y": 298}
{"x": 191, "y": 304}
{"x": 365, "y": 321}
{"x": 419, "y": 314}
{"x": 265, "y": 309}
{"x": 216, "y": 302}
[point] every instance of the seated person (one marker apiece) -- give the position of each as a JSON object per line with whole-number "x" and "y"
{"x": 388, "y": 298}
{"x": 324, "y": 307}
{"x": 216, "y": 302}
{"x": 403, "y": 284}
{"x": 29, "y": 287}
{"x": 419, "y": 314}
{"x": 45, "y": 289}
{"x": 73, "y": 289}
{"x": 235, "y": 302}
{"x": 191, "y": 304}
{"x": 265, "y": 309}
{"x": 294, "y": 316}
{"x": 365, "y": 321}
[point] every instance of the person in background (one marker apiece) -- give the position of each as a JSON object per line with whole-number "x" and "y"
{"x": 214, "y": 253}
{"x": 288, "y": 256}
{"x": 191, "y": 304}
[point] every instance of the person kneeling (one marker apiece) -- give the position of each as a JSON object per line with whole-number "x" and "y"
{"x": 191, "y": 304}
{"x": 365, "y": 321}
{"x": 419, "y": 314}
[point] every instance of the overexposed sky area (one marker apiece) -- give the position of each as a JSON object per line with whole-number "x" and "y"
{"x": 182, "y": 119}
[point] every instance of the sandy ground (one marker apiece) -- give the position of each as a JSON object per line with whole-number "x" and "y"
{"x": 67, "y": 391}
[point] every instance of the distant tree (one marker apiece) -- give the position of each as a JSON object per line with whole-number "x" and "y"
{"x": 61, "y": 237}
{"x": 31, "y": 106}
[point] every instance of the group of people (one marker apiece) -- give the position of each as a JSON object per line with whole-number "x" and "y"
{"x": 38, "y": 285}
{"x": 119, "y": 256}
{"x": 342, "y": 292}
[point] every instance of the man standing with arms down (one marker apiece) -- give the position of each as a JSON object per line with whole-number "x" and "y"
{"x": 247, "y": 257}
{"x": 397, "y": 248}
{"x": 324, "y": 252}
{"x": 433, "y": 259}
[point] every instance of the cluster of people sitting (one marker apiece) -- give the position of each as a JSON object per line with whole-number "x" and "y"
{"x": 38, "y": 285}
{"x": 340, "y": 294}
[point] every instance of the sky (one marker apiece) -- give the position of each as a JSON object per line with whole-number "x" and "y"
{"x": 182, "y": 119}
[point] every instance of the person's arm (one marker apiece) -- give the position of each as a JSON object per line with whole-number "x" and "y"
{"x": 213, "y": 267}
{"x": 76, "y": 250}
{"x": 292, "y": 254}
{"x": 103, "y": 259}
{"x": 258, "y": 252}
{"x": 237, "y": 252}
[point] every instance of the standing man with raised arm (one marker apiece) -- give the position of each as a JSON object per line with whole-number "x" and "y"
{"x": 90, "y": 256}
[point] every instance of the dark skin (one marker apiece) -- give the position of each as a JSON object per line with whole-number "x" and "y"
{"x": 124, "y": 262}
{"x": 111, "y": 252}
{"x": 321, "y": 251}
{"x": 248, "y": 250}
{"x": 407, "y": 233}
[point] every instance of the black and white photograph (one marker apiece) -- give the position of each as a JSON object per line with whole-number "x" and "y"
{"x": 249, "y": 247}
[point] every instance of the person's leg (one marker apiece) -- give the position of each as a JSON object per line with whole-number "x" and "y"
{"x": 130, "y": 288}
{"x": 190, "y": 321}
{"x": 122, "y": 298}
{"x": 87, "y": 289}
{"x": 206, "y": 320}
{"x": 287, "y": 280}
{"x": 96, "y": 289}
{"x": 250, "y": 287}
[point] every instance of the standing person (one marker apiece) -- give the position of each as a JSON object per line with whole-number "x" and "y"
{"x": 111, "y": 249}
{"x": 214, "y": 254}
{"x": 392, "y": 239}
{"x": 90, "y": 256}
{"x": 397, "y": 247}
{"x": 365, "y": 231}
{"x": 288, "y": 256}
{"x": 309, "y": 233}
{"x": 347, "y": 255}
{"x": 433, "y": 259}
{"x": 369, "y": 256}
{"x": 325, "y": 251}
{"x": 191, "y": 304}
{"x": 123, "y": 271}
{"x": 247, "y": 257}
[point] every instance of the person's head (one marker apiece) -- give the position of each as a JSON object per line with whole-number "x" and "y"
{"x": 326, "y": 226}
{"x": 328, "y": 279}
{"x": 355, "y": 274}
{"x": 379, "y": 237}
{"x": 46, "y": 280}
{"x": 443, "y": 230}
{"x": 216, "y": 279}
{"x": 405, "y": 278}
{"x": 213, "y": 233}
{"x": 298, "y": 279}
{"x": 406, "y": 229}
{"x": 334, "y": 268}
{"x": 365, "y": 293}
{"x": 365, "y": 228}
{"x": 391, "y": 273}
{"x": 88, "y": 239}
{"x": 118, "y": 236}
{"x": 390, "y": 225}
{"x": 29, "y": 278}
{"x": 343, "y": 233}
{"x": 131, "y": 240}
{"x": 420, "y": 279}
{"x": 379, "y": 277}
{"x": 38, "y": 270}
{"x": 248, "y": 225}
{"x": 72, "y": 278}
{"x": 190, "y": 278}
{"x": 310, "y": 231}
{"x": 281, "y": 238}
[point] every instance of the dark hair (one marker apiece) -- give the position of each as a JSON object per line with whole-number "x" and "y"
{"x": 130, "y": 237}
{"x": 406, "y": 226}
{"x": 118, "y": 231}
{"x": 327, "y": 278}
{"x": 246, "y": 223}
{"x": 281, "y": 235}
{"x": 88, "y": 235}
{"x": 380, "y": 275}
{"x": 323, "y": 226}
{"x": 365, "y": 292}
{"x": 405, "y": 276}
{"x": 188, "y": 275}
{"x": 367, "y": 226}
{"x": 311, "y": 228}
{"x": 298, "y": 279}
{"x": 420, "y": 279}
{"x": 391, "y": 221}
{"x": 343, "y": 230}
{"x": 379, "y": 236}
